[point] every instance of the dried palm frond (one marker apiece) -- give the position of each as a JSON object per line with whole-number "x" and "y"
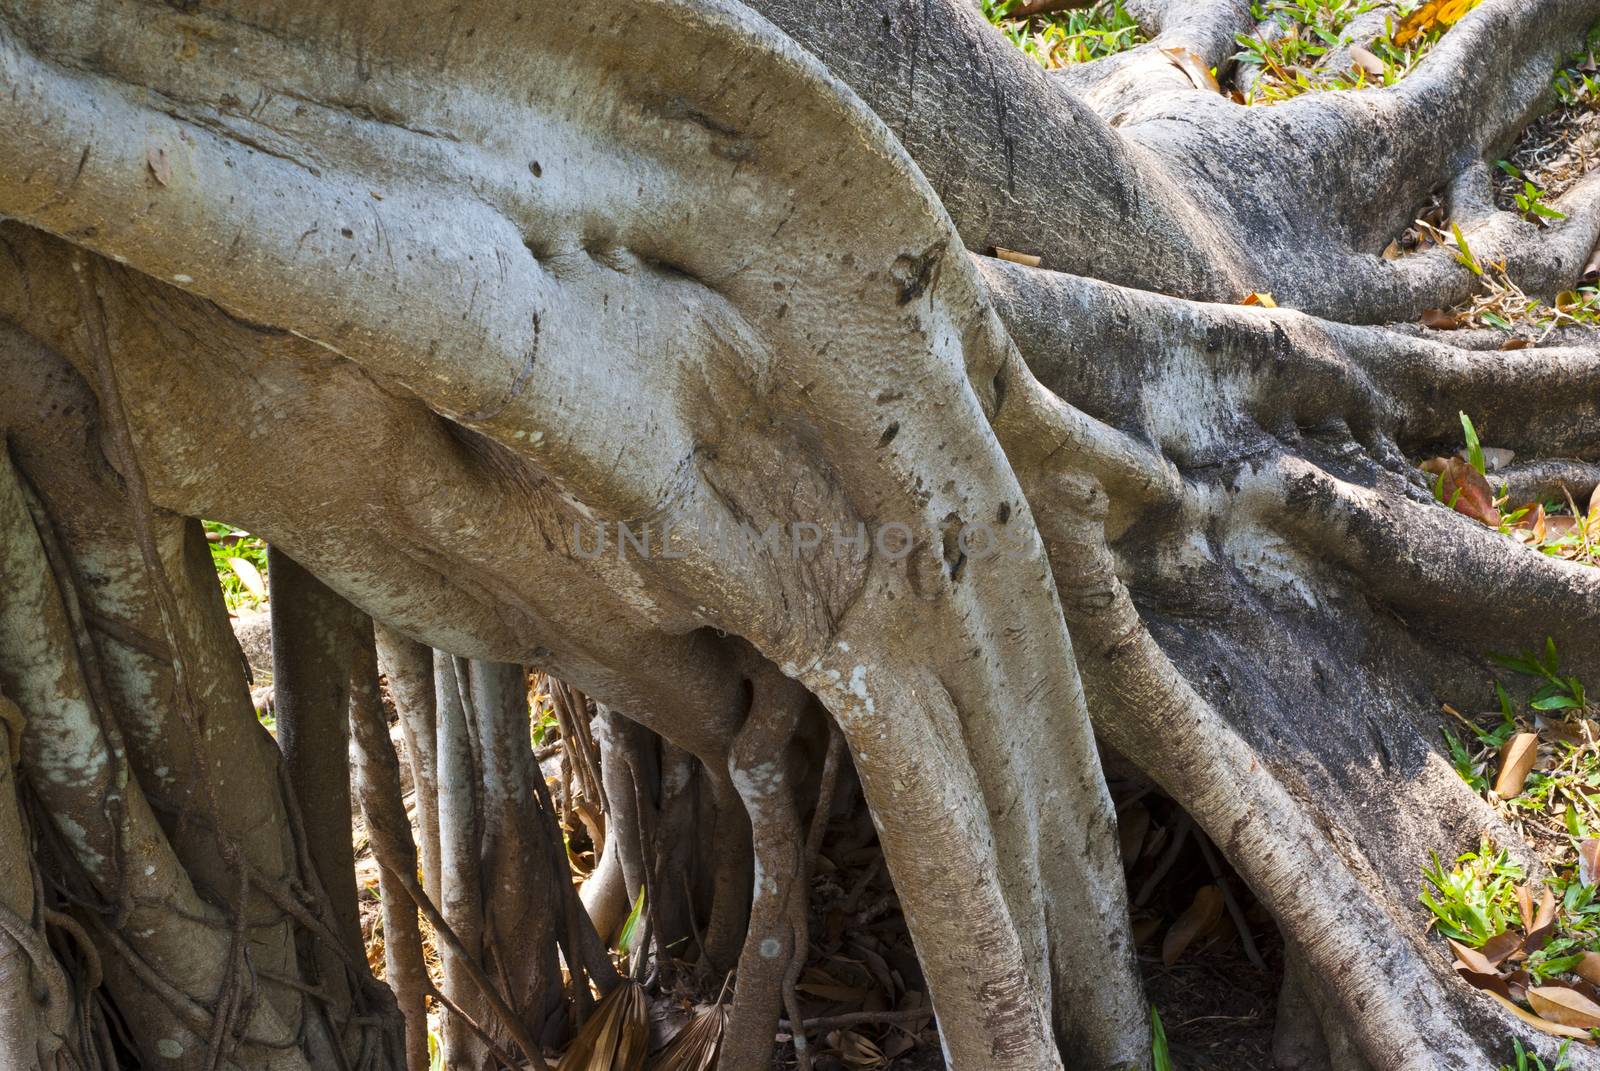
{"x": 616, "y": 1037}
{"x": 696, "y": 1046}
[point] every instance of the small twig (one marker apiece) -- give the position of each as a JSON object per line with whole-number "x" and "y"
{"x": 471, "y": 1024}
{"x": 1180, "y": 834}
{"x": 799, "y": 905}
{"x": 1237, "y": 912}
{"x": 833, "y": 1022}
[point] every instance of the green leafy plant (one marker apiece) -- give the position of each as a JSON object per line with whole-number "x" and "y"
{"x": 1476, "y": 899}
{"x": 1557, "y": 692}
{"x": 1530, "y": 1061}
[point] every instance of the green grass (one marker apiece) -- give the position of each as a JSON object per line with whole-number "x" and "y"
{"x": 1309, "y": 30}
{"x": 1476, "y": 899}
{"x": 1529, "y": 1061}
{"x": 230, "y": 546}
{"x": 1067, "y": 37}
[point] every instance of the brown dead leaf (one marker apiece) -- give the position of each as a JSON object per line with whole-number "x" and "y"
{"x": 155, "y": 157}
{"x": 1502, "y": 947}
{"x": 1525, "y": 906}
{"x": 1545, "y": 916}
{"x": 1471, "y": 958}
{"x": 1540, "y": 1024}
{"x": 1591, "y": 269}
{"x": 1364, "y": 60}
{"x": 616, "y": 1037}
{"x": 695, "y": 1047}
{"x": 1194, "y": 67}
{"x": 1516, "y": 761}
{"x": 1027, "y": 260}
{"x": 1588, "y": 968}
{"x": 1440, "y": 320}
{"x": 1261, "y": 298}
{"x": 1589, "y": 861}
{"x": 1464, "y": 489}
{"x": 1565, "y": 1006}
{"x": 1492, "y": 983}
{"x": 856, "y": 1050}
{"x": 1200, "y": 916}
{"x": 1515, "y": 344}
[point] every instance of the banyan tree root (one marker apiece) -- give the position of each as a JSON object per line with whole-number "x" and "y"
{"x": 1218, "y": 545}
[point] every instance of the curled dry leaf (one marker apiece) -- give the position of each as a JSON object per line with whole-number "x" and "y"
{"x": 249, "y": 576}
{"x": 1541, "y": 1024}
{"x": 1516, "y": 762}
{"x": 1471, "y": 958}
{"x": 1589, "y": 861}
{"x": 616, "y": 1037}
{"x": 1515, "y": 344}
{"x": 1464, "y": 489}
{"x": 1490, "y": 983}
{"x": 1198, "y": 919}
{"x": 1591, "y": 269}
{"x": 1502, "y": 947}
{"x": 155, "y": 157}
{"x": 1440, "y": 320}
{"x": 1364, "y": 60}
{"x": 1027, "y": 260}
{"x": 695, "y": 1047}
{"x": 1194, "y": 67}
{"x": 1565, "y": 1006}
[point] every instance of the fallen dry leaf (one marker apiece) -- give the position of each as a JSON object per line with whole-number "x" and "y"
{"x": 1364, "y": 60}
{"x": 1464, "y": 489}
{"x": 1516, "y": 762}
{"x": 155, "y": 157}
{"x": 616, "y": 1037}
{"x": 1471, "y": 958}
{"x": 1200, "y": 916}
{"x": 1515, "y": 344}
{"x": 1565, "y": 1006}
{"x": 1501, "y": 947}
{"x": 1543, "y": 1025}
{"x": 1433, "y": 13}
{"x": 1589, "y": 861}
{"x": 1439, "y": 320}
{"x": 1194, "y": 67}
{"x": 1259, "y": 297}
{"x": 1027, "y": 260}
{"x": 1588, "y": 968}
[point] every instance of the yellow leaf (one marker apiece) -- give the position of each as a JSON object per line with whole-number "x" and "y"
{"x": 249, "y": 576}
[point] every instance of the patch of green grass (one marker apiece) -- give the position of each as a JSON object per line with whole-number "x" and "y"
{"x": 1477, "y": 898}
{"x": 243, "y": 585}
{"x": 1292, "y": 60}
{"x": 1063, "y": 38}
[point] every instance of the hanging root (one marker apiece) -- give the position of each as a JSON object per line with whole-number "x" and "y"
{"x": 764, "y": 773}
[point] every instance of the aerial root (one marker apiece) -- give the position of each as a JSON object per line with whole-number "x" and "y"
{"x": 1422, "y": 558}
{"x": 1146, "y": 710}
{"x": 765, "y": 778}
